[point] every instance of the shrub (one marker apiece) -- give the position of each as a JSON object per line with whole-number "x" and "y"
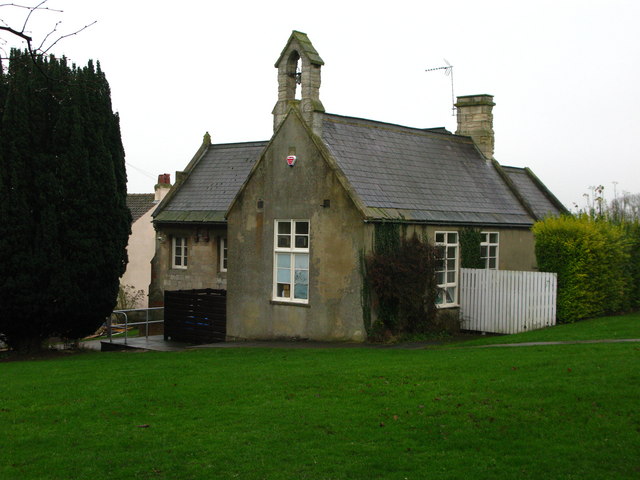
{"x": 591, "y": 259}
{"x": 129, "y": 297}
{"x": 632, "y": 231}
{"x": 401, "y": 273}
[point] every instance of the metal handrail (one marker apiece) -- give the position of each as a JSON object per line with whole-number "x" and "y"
{"x": 126, "y": 323}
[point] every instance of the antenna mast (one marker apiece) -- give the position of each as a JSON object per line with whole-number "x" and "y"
{"x": 448, "y": 71}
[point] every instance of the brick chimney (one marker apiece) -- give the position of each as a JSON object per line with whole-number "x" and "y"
{"x": 475, "y": 119}
{"x": 162, "y": 187}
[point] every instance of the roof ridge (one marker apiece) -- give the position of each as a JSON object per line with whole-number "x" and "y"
{"x": 240, "y": 144}
{"x": 333, "y": 117}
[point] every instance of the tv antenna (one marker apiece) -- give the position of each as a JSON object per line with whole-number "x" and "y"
{"x": 448, "y": 71}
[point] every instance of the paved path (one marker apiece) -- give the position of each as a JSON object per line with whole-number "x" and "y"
{"x": 157, "y": 343}
{"x": 567, "y": 342}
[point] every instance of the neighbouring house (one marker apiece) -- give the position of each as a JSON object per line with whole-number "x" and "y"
{"x": 283, "y": 224}
{"x": 142, "y": 245}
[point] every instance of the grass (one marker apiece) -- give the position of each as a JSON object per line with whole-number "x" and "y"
{"x": 561, "y": 412}
{"x": 614, "y": 327}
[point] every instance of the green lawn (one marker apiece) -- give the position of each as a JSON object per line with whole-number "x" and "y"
{"x": 552, "y": 412}
{"x": 615, "y": 327}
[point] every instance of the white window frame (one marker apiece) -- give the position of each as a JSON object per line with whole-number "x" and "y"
{"x": 179, "y": 253}
{"x": 448, "y": 268}
{"x": 490, "y": 240}
{"x": 223, "y": 254}
{"x": 291, "y": 252}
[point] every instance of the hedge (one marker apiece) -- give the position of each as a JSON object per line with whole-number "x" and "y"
{"x": 593, "y": 260}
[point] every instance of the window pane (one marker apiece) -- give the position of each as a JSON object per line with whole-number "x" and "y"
{"x": 284, "y": 241}
{"x": 485, "y": 237}
{"x": 301, "y": 277}
{"x": 451, "y": 252}
{"x": 302, "y": 241}
{"x": 451, "y": 277}
{"x": 440, "y": 278}
{"x": 451, "y": 264}
{"x": 184, "y": 259}
{"x": 301, "y": 261}
{"x": 450, "y": 294}
{"x": 284, "y": 227}
{"x": 452, "y": 237}
{"x": 492, "y": 263}
{"x": 284, "y": 290}
{"x": 283, "y": 260}
{"x": 440, "y": 297}
{"x": 301, "y": 292}
{"x": 493, "y": 250}
{"x": 483, "y": 252}
{"x": 284, "y": 275}
{"x": 440, "y": 237}
{"x": 439, "y": 265}
{"x": 493, "y": 238}
{"x": 302, "y": 228}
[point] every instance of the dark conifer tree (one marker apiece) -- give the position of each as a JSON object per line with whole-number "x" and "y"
{"x": 64, "y": 223}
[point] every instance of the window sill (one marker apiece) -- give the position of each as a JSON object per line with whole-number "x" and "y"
{"x": 289, "y": 304}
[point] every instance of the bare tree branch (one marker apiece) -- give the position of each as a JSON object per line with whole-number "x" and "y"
{"x": 61, "y": 37}
{"x": 49, "y": 40}
{"x": 22, "y": 35}
{"x": 27, "y": 7}
{"x": 31, "y": 10}
{"x": 43, "y": 48}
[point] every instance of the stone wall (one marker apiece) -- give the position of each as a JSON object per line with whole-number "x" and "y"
{"x": 276, "y": 191}
{"x": 203, "y": 260}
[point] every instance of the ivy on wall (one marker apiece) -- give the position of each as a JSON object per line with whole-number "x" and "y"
{"x": 470, "y": 252}
{"x": 400, "y": 273}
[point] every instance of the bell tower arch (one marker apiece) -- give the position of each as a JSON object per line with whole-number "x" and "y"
{"x": 299, "y": 73}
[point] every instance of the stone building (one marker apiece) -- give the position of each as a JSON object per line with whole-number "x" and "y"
{"x": 283, "y": 224}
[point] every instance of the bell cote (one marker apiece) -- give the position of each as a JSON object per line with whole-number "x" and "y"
{"x": 299, "y": 82}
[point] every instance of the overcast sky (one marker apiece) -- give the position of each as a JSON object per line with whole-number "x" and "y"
{"x": 565, "y": 75}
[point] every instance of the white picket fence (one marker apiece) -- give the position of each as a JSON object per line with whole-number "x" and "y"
{"x": 502, "y": 301}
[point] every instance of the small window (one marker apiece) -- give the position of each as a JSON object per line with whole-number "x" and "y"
{"x": 291, "y": 261}
{"x": 179, "y": 254}
{"x": 447, "y": 268}
{"x": 489, "y": 247}
{"x": 223, "y": 254}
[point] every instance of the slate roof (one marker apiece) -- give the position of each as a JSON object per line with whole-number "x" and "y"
{"x": 139, "y": 204}
{"x": 541, "y": 200}
{"x": 420, "y": 175}
{"x": 211, "y": 184}
{"x": 394, "y": 173}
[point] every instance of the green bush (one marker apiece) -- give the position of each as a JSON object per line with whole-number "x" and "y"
{"x": 632, "y": 230}
{"x": 401, "y": 273}
{"x": 591, "y": 258}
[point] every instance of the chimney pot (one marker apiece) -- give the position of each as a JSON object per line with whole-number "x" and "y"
{"x": 163, "y": 186}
